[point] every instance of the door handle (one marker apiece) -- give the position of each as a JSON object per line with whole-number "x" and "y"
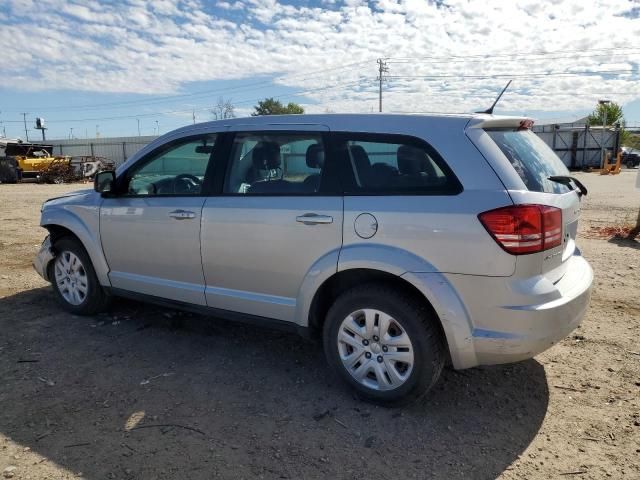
{"x": 314, "y": 219}
{"x": 182, "y": 214}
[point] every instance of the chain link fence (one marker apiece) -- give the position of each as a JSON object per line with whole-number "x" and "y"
{"x": 118, "y": 150}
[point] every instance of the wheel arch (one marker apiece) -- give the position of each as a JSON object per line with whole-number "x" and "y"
{"x": 430, "y": 289}
{"x": 66, "y": 224}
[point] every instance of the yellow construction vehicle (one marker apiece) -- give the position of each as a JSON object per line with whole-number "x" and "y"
{"x": 35, "y": 160}
{"x": 20, "y": 160}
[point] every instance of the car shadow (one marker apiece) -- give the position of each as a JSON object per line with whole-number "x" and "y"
{"x": 145, "y": 392}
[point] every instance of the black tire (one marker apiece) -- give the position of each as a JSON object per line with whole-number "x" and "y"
{"x": 96, "y": 299}
{"x": 417, "y": 321}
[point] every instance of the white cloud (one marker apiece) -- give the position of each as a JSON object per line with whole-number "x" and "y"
{"x": 158, "y": 47}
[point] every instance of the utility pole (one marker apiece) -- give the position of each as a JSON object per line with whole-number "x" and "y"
{"x": 604, "y": 104}
{"x": 26, "y": 132}
{"x": 157, "y": 128}
{"x": 71, "y": 133}
{"x": 194, "y": 117}
{"x": 382, "y": 68}
{"x": 138, "y": 126}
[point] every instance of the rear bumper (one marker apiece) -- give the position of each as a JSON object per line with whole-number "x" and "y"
{"x": 512, "y": 320}
{"x": 42, "y": 259}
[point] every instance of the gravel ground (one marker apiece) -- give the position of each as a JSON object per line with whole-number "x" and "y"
{"x": 145, "y": 392}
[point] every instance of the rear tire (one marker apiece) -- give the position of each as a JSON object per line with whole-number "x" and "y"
{"x": 384, "y": 344}
{"x": 74, "y": 279}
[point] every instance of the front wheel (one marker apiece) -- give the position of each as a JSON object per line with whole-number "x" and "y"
{"x": 74, "y": 280}
{"x": 384, "y": 344}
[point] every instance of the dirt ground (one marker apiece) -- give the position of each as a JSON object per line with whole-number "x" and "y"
{"x": 147, "y": 393}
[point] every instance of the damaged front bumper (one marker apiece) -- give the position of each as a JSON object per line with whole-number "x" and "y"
{"x": 44, "y": 257}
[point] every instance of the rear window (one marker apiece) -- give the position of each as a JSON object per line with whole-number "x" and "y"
{"x": 534, "y": 161}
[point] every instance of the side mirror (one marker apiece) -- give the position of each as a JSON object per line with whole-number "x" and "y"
{"x": 104, "y": 181}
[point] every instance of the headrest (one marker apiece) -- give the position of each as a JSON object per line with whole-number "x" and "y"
{"x": 266, "y": 156}
{"x": 380, "y": 174}
{"x": 315, "y": 156}
{"x": 411, "y": 160}
{"x": 360, "y": 157}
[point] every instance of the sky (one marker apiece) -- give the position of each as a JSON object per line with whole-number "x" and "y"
{"x": 123, "y": 68}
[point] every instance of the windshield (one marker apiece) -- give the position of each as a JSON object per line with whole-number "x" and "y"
{"x": 534, "y": 161}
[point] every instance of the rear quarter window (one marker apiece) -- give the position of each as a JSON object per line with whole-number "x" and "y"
{"x": 531, "y": 158}
{"x": 389, "y": 164}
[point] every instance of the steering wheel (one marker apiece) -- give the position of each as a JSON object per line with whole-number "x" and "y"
{"x": 186, "y": 180}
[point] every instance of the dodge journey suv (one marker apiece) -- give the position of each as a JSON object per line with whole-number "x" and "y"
{"x": 403, "y": 242}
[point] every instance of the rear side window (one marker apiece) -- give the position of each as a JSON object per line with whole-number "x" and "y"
{"x": 531, "y": 158}
{"x": 394, "y": 164}
{"x": 267, "y": 163}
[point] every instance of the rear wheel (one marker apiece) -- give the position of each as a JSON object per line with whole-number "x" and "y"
{"x": 384, "y": 344}
{"x": 74, "y": 280}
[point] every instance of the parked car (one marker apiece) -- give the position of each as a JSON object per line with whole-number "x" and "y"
{"x": 630, "y": 157}
{"x": 404, "y": 242}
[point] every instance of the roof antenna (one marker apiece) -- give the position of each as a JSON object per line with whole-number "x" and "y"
{"x": 490, "y": 109}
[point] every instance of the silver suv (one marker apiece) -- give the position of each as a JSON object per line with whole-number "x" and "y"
{"x": 404, "y": 242}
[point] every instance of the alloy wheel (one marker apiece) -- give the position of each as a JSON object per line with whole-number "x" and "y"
{"x": 71, "y": 278}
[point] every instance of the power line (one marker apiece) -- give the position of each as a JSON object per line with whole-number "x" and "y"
{"x": 341, "y": 67}
{"x": 507, "y": 61}
{"x": 447, "y": 92}
{"x": 246, "y": 87}
{"x": 508, "y": 75}
{"x": 191, "y": 110}
{"x": 491, "y": 56}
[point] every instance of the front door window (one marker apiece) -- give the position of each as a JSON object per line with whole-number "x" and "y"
{"x": 178, "y": 169}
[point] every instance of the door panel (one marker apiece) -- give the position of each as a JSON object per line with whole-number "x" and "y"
{"x": 256, "y": 254}
{"x": 261, "y": 239}
{"x": 149, "y": 251}
{"x": 150, "y": 232}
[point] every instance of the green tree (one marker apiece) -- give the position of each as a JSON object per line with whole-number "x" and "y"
{"x": 632, "y": 141}
{"x": 613, "y": 112}
{"x": 270, "y": 106}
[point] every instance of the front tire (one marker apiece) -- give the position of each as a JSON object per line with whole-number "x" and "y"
{"x": 74, "y": 280}
{"x": 384, "y": 344}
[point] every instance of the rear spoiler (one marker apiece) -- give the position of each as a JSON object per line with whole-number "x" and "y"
{"x": 491, "y": 121}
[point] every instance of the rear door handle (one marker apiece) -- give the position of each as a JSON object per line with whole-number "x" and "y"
{"x": 314, "y": 219}
{"x": 182, "y": 214}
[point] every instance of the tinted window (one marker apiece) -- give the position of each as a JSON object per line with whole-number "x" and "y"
{"x": 274, "y": 163}
{"x": 177, "y": 169}
{"x": 388, "y": 164}
{"x": 534, "y": 161}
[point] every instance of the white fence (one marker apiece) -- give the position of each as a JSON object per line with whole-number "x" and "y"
{"x": 580, "y": 146}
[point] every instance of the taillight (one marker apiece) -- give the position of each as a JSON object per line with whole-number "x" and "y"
{"x": 522, "y": 229}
